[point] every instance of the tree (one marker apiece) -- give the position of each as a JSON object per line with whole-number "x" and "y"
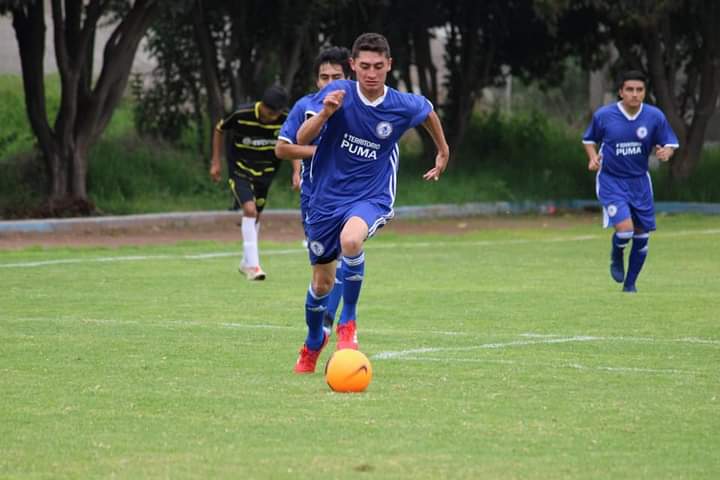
{"x": 677, "y": 44}
{"x": 87, "y": 103}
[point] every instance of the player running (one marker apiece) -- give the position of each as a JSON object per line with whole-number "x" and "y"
{"x": 332, "y": 63}
{"x": 252, "y": 165}
{"x": 353, "y": 178}
{"x": 628, "y": 131}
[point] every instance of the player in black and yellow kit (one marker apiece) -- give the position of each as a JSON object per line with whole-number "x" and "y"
{"x": 253, "y": 130}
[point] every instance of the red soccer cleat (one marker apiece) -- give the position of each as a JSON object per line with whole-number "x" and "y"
{"x": 308, "y": 358}
{"x": 347, "y": 336}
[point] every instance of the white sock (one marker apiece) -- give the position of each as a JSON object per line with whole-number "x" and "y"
{"x": 251, "y": 257}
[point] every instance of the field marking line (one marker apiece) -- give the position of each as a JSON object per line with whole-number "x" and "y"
{"x": 424, "y": 244}
{"x": 484, "y": 346}
{"x": 574, "y": 366}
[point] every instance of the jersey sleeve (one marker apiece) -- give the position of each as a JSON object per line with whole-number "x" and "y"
{"x": 226, "y": 123}
{"x": 295, "y": 119}
{"x": 665, "y": 135}
{"x": 421, "y": 108}
{"x": 593, "y": 134}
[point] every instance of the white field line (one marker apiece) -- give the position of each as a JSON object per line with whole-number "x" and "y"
{"x": 214, "y": 255}
{"x": 483, "y": 346}
{"x": 574, "y": 366}
{"x": 539, "y": 340}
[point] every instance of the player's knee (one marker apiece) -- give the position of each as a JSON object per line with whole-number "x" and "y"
{"x": 322, "y": 284}
{"x": 351, "y": 245}
{"x": 249, "y": 209}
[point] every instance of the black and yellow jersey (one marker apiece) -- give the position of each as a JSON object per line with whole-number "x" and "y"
{"x": 251, "y": 144}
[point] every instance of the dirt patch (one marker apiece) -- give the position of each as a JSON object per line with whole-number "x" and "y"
{"x": 284, "y": 228}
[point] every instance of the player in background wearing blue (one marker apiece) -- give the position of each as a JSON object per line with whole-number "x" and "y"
{"x": 353, "y": 178}
{"x": 332, "y": 63}
{"x": 627, "y": 132}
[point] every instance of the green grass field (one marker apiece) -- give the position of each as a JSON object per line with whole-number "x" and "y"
{"x": 497, "y": 354}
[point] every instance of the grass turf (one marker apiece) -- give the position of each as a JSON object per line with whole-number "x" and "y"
{"x": 498, "y": 354}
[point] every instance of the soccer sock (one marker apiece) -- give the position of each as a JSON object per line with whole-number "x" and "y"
{"x": 353, "y": 273}
{"x": 638, "y": 254}
{"x": 336, "y": 292}
{"x": 315, "y": 307}
{"x": 620, "y": 240}
{"x": 250, "y": 250}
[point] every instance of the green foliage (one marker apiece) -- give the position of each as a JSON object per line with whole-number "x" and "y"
{"x": 16, "y": 136}
{"x": 701, "y": 186}
{"x": 536, "y": 158}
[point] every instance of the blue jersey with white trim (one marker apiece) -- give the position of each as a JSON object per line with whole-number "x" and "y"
{"x": 357, "y": 153}
{"x": 627, "y": 141}
{"x": 294, "y": 121}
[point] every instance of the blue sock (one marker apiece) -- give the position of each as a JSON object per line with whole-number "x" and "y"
{"x": 315, "y": 307}
{"x": 353, "y": 273}
{"x": 336, "y": 292}
{"x": 638, "y": 254}
{"x": 619, "y": 242}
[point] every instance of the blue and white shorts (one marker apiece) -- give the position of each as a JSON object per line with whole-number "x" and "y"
{"x": 624, "y": 198}
{"x": 324, "y": 233}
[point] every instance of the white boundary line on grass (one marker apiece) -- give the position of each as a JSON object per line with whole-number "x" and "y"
{"x": 424, "y": 244}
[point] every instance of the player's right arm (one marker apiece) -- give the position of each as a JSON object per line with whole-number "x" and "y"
{"x": 591, "y": 137}
{"x": 285, "y": 150}
{"x": 312, "y": 127}
{"x": 217, "y": 145}
{"x": 593, "y": 157}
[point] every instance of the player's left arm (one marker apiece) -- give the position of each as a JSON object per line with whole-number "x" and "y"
{"x": 667, "y": 141}
{"x": 664, "y": 153}
{"x": 296, "y": 177}
{"x": 434, "y": 127}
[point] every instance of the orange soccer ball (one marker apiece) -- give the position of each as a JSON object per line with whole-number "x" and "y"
{"x": 348, "y": 370}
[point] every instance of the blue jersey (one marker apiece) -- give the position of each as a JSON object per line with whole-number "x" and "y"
{"x": 627, "y": 141}
{"x": 357, "y": 153}
{"x": 294, "y": 121}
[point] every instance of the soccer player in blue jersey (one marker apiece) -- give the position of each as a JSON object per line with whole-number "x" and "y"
{"x": 353, "y": 176}
{"x": 332, "y": 63}
{"x": 628, "y": 131}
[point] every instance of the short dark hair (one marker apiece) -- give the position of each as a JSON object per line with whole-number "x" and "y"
{"x": 631, "y": 75}
{"x": 333, "y": 56}
{"x": 275, "y": 98}
{"x": 371, "y": 42}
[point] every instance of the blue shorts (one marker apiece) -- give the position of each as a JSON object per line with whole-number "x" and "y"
{"x": 324, "y": 233}
{"x": 304, "y": 204}
{"x": 624, "y": 198}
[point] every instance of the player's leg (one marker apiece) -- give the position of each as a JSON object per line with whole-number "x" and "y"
{"x": 352, "y": 238}
{"x": 335, "y": 297}
{"x": 643, "y": 214}
{"x": 324, "y": 247}
{"x": 242, "y": 191}
{"x": 620, "y": 239}
{"x": 260, "y": 188}
{"x": 315, "y": 306}
{"x": 611, "y": 192}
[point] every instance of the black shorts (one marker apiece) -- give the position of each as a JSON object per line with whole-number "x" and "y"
{"x": 245, "y": 189}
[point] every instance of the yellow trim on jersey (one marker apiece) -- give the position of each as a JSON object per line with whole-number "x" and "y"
{"x": 250, "y": 147}
{"x": 254, "y": 172}
{"x": 261, "y": 125}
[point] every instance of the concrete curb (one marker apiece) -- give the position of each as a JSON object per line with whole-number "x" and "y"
{"x": 186, "y": 219}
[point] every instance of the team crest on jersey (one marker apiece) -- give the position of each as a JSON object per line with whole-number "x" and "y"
{"x": 383, "y": 129}
{"x": 317, "y": 248}
{"x": 611, "y": 210}
{"x": 641, "y": 132}
{"x": 247, "y": 140}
